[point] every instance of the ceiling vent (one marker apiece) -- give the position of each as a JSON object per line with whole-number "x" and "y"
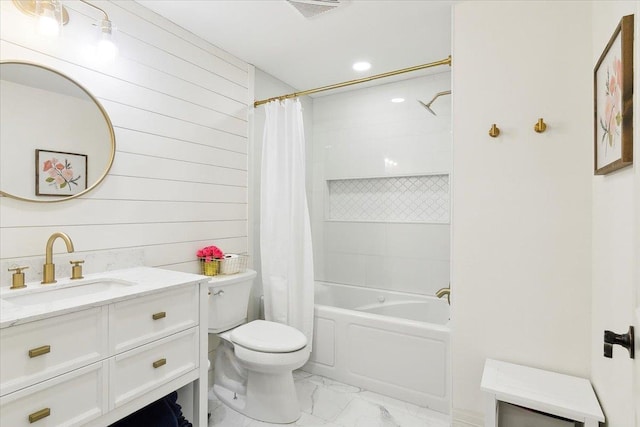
{"x": 311, "y": 8}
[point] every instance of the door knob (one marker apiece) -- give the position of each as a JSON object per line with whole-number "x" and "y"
{"x": 625, "y": 340}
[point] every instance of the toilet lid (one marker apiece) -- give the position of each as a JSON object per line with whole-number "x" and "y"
{"x": 268, "y": 337}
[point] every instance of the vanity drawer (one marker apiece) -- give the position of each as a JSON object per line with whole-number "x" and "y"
{"x": 140, "y": 370}
{"x": 39, "y": 350}
{"x": 142, "y": 320}
{"x": 72, "y": 399}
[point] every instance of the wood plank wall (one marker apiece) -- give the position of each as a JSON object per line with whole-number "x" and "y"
{"x": 179, "y": 109}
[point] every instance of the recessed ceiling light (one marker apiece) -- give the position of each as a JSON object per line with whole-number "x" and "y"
{"x": 361, "y": 66}
{"x": 397, "y": 100}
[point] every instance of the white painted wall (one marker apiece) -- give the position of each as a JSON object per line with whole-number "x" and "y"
{"x": 178, "y": 106}
{"x": 616, "y": 244}
{"x": 521, "y": 241}
{"x": 362, "y": 134}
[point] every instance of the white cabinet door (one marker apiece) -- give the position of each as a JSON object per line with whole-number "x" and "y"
{"x": 39, "y": 350}
{"x": 141, "y": 320}
{"x": 72, "y": 399}
{"x": 145, "y": 368}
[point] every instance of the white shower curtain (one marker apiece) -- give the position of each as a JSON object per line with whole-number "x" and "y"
{"x": 285, "y": 230}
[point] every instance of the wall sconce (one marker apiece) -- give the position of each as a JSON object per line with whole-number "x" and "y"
{"x": 51, "y": 15}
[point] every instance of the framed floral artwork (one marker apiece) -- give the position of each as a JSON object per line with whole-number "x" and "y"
{"x": 59, "y": 173}
{"x": 613, "y": 101}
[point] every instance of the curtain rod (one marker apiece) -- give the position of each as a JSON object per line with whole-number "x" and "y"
{"x": 354, "y": 82}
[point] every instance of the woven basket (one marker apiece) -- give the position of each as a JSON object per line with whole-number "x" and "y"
{"x": 230, "y": 264}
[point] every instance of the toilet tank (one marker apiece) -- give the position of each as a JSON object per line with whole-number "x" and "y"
{"x": 229, "y": 300}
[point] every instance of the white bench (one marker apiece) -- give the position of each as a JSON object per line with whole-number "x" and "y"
{"x": 557, "y": 394}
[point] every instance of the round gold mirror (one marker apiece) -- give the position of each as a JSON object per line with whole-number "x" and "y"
{"x": 56, "y": 140}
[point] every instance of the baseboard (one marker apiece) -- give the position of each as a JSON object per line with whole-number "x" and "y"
{"x": 464, "y": 418}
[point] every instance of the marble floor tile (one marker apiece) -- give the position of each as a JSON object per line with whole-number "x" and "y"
{"x": 328, "y": 403}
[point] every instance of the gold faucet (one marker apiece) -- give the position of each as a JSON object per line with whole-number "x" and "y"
{"x": 49, "y": 268}
{"x": 444, "y": 291}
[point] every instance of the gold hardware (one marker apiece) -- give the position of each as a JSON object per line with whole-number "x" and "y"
{"x": 35, "y": 352}
{"x": 159, "y": 363}
{"x": 49, "y": 268}
{"x": 494, "y": 131}
{"x": 38, "y": 415}
{"x": 353, "y": 82}
{"x": 444, "y": 291}
{"x": 541, "y": 126}
{"x": 17, "y": 278}
{"x": 160, "y": 315}
{"x": 76, "y": 270}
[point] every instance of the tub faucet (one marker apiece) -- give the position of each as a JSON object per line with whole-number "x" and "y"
{"x": 444, "y": 291}
{"x": 49, "y": 268}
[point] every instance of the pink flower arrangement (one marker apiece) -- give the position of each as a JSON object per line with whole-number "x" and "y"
{"x": 209, "y": 253}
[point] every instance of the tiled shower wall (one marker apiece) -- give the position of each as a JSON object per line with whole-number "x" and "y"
{"x": 386, "y": 165}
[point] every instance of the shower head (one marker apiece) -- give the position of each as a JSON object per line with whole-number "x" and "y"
{"x": 428, "y": 104}
{"x": 428, "y": 107}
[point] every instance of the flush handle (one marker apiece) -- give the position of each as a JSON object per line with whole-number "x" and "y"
{"x": 625, "y": 340}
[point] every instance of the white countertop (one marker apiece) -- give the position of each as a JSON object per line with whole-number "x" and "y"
{"x": 550, "y": 392}
{"x": 145, "y": 280}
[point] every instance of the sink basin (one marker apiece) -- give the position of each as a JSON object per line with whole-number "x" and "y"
{"x": 72, "y": 290}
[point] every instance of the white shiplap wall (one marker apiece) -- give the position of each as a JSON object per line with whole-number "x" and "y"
{"x": 178, "y": 107}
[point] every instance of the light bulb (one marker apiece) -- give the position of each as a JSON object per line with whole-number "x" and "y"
{"x": 107, "y": 49}
{"x": 49, "y": 17}
{"x": 106, "y": 46}
{"x": 48, "y": 26}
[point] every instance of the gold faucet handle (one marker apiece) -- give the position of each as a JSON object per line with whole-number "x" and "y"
{"x": 76, "y": 270}
{"x": 17, "y": 279}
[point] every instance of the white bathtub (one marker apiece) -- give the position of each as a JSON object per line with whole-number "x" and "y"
{"x": 392, "y": 343}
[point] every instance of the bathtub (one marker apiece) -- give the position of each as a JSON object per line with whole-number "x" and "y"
{"x": 391, "y": 343}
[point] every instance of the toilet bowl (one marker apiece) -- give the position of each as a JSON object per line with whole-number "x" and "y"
{"x": 253, "y": 369}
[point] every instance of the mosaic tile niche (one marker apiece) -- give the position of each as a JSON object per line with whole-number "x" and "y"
{"x": 424, "y": 198}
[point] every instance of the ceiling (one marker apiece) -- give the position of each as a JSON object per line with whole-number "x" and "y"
{"x": 312, "y": 52}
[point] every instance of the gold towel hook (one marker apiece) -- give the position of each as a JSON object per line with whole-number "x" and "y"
{"x": 541, "y": 126}
{"x": 494, "y": 131}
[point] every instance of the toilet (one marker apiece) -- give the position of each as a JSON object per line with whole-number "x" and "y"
{"x": 254, "y": 364}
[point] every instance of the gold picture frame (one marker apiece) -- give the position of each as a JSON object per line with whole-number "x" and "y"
{"x": 613, "y": 101}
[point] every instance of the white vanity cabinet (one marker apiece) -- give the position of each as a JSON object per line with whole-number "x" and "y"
{"x": 94, "y": 365}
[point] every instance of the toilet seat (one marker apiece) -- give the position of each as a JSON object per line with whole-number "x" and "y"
{"x": 268, "y": 337}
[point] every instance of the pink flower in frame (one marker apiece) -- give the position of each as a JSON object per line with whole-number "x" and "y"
{"x": 61, "y": 174}
{"x": 611, "y": 122}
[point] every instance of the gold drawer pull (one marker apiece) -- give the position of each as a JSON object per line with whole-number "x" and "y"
{"x": 38, "y": 415}
{"x": 160, "y": 315}
{"x": 159, "y": 363}
{"x": 35, "y": 352}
